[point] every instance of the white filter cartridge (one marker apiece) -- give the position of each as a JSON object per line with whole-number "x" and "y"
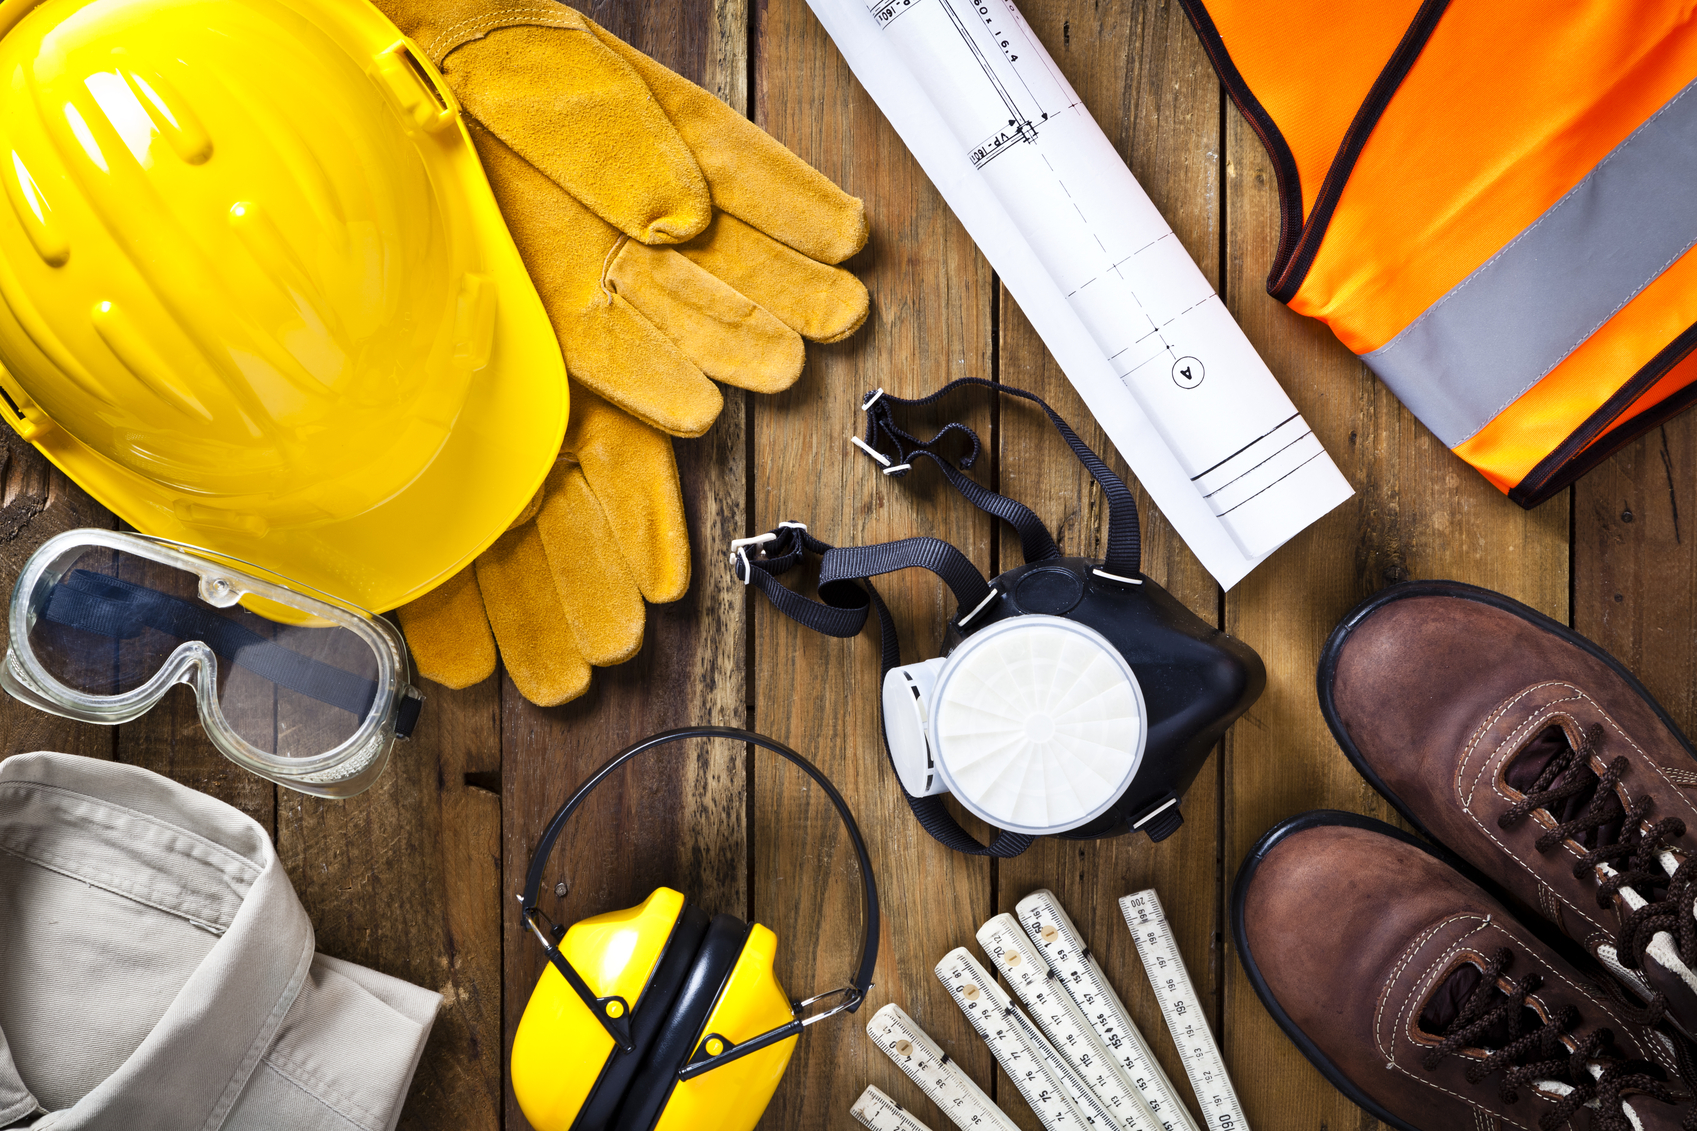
{"x": 1037, "y": 724}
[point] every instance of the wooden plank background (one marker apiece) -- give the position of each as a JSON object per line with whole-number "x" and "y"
{"x": 416, "y": 877}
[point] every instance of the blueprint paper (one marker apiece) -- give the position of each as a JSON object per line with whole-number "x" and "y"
{"x": 1127, "y": 314}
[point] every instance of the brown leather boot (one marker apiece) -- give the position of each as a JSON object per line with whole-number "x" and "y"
{"x": 1425, "y": 1002}
{"x": 1532, "y": 754}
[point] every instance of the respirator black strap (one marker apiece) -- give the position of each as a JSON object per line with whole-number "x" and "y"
{"x": 617, "y": 1020}
{"x": 1035, "y": 541}
{"x": 843, "y": 605}
{"x": 847, "y": 595}
{"x": 857, "y": 563}
{"x": 896, "y": 449}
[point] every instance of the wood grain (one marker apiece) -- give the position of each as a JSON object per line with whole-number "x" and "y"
{"x": 930, "y": 323}
{"x": 405, "y": 879}
{"x": 37, "y": 502}
{"x": 417, "y": 877}
{"x": 1418, "y": 512}
{"x": 679, "y": 818}
{"x": 1635, "y": 562}
{"x": 1142, "y": 73}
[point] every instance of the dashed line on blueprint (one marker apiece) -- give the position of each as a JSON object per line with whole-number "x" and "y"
{"x": 996, "y": 93}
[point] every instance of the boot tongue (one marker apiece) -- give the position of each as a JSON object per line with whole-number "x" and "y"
{"x": 1536, "y": 756}
{"x": 1447, "y": 1001}
{"x": 1551, "y": 1060}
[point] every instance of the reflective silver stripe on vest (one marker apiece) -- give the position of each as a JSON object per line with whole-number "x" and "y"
{"x": 1472, "y": 353}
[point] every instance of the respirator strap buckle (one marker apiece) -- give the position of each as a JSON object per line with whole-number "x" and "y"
{"x": 739, "y": 553}
{"x": 881, "y": 429}
{"x": 842, "y": 614}
{"x": 884, "y": 435}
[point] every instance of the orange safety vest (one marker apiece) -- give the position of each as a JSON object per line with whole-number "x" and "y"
{"x": 1492, "y": 203}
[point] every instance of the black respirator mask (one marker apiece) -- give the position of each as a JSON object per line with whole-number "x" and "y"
{"x": 1073, "y": 697}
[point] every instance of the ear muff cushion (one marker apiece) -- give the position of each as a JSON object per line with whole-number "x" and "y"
{"x": 648, "y": 1018}
{"x": 652, "y": 1086}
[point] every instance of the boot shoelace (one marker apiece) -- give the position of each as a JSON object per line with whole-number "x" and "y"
{"x": 1637, "y": 862}
{"x": 1583, "y": 1070}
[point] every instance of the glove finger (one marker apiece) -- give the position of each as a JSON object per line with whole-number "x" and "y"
{"x": 524, "y": 609}
{"x": 749, "y": 173}
{"x": 580, "y": 114}
{"x": 449, "y": 633}
{"x": 726, "y": 335}
{"x": 632, "y": 472}
{"x": 607, "y": 344}
{"x": 819, "y": 302}
{"x": 600, "y": 598}
{"x": 438, "y": 26}
{"x": 623, "y": 356}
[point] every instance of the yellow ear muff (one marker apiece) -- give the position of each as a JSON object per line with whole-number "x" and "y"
{"x": 561, "y": 1047}
{"x": 703, "y": 1031}
{"x": 733, "y": 1096}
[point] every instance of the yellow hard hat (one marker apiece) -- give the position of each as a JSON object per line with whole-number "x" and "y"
{"x": 256, "y": 294}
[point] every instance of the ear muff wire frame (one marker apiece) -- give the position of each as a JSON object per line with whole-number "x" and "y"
{"x": 614, "y": 1013}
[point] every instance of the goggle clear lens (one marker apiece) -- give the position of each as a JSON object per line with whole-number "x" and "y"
{"x": 103, "y": 622}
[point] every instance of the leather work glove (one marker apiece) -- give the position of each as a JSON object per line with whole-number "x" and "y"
{"x": 563, "y": 588}
{"x": 673, "y": 243}
{"x": 671, "y": 239}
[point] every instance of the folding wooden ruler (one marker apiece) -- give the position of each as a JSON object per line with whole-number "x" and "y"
{"x": 1081, "y": 1064}
{"x": 1049, "y": 927}
{"x": 1023, "y": 967}
{"x": 1061, "y": 1100}
{"x": 1183, "y": 1011}
{"x": 941, "y": 1079}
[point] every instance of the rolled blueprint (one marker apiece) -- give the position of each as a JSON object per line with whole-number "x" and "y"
{"x": 1130, "y": 319}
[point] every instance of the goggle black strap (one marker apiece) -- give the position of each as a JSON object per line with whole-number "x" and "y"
{"x": 412, "y": 705}
{"x": 122, "y": 610}
{"x": 896, "y": 449}
{"x": 858, "y": 986}
{"x": 847, "y": 595}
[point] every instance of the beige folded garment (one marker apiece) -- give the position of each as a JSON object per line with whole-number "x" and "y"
{"x": 161, "y": 974}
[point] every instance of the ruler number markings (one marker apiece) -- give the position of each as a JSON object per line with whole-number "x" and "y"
{"x": 1049, "y": 927}
{"x": 1064, "y": 1024}
{"x": 943, "y": 1081}
{"x": 1169, "y": 978}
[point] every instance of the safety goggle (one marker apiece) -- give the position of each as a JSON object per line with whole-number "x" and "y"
{"x": 301, "y": 689}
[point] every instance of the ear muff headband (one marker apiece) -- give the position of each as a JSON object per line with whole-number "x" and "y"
{"x": 615, "y": 1013}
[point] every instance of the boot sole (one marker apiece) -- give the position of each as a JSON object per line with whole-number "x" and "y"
{"x": 1317, "y": 818}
